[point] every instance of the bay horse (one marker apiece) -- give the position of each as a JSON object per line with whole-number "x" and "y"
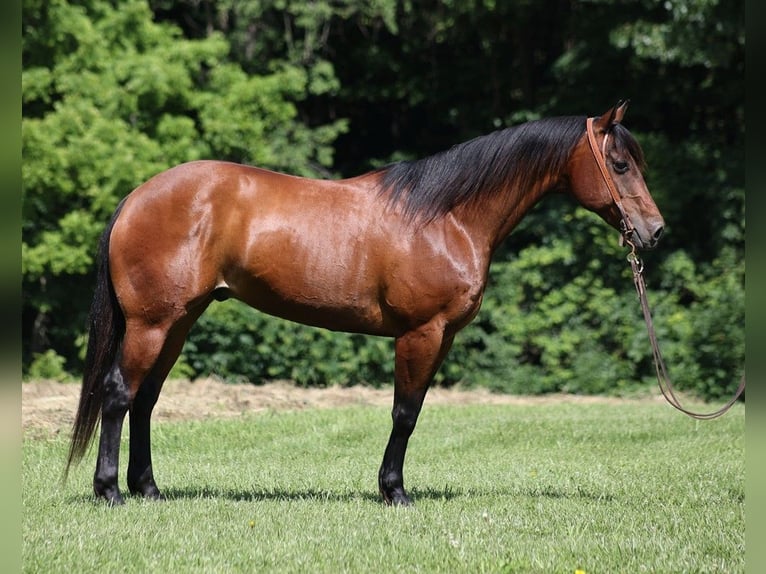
{"x": 403, "y": 251}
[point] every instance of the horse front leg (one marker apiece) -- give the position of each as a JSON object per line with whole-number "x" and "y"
{"x": 418, "y": 355}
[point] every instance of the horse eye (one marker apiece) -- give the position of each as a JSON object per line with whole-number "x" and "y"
{"x": 621, "y": 166}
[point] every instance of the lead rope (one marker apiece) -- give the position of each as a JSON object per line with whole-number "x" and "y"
{"x": 637, "y": 266}
{"x": 666, "y": 387}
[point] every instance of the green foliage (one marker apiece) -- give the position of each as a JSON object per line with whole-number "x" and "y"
{"x": 701, "y": 320}
{"x": 237, "y": 343}
{"x": 111, "y": 98}
{"x": 691, "y": 33}
{"x": 556, "y": 320}
{"x": 114, "y": 93}
{"x": 48, "y": 366}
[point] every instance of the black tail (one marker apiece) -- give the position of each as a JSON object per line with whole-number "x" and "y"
{"x": 107, "y": 328}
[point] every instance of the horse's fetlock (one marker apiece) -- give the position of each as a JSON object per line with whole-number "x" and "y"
{"x": 107, "y": 490}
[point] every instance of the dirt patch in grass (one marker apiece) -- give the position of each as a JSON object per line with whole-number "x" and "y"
{"x": 48, "y": 407}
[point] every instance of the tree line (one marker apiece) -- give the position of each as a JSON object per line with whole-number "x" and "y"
{"x": 114, "y": 92}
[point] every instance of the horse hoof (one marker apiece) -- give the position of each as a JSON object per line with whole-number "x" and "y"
{"x": 149, "y": 491}
{"x": 111, "y": 497}
{"x": 396, "y": 498}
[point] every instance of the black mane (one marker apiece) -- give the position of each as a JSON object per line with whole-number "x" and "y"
{"x": 512, "y": 158}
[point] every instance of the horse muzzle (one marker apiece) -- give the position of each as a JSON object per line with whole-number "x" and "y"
{"x": 646, "y": 236}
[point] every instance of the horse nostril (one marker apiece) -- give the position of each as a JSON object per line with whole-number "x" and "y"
{"x": 658, "y": 233}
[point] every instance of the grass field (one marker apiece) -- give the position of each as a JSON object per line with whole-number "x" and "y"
{"x": 558, "y": 487}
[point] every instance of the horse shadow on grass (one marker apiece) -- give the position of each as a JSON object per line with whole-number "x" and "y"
{"x": 445, "y": 494}
{"x": 307, "y": 495}
{"x": 282, "y": 494}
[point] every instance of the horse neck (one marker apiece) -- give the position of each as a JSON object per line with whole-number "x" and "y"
{"x": 492, "y": 219}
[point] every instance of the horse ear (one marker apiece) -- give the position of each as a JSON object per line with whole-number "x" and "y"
{"x": 619, "y": 111}
{"x": 613, "y": 116}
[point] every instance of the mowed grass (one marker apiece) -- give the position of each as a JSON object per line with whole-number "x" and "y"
{"x": 628, "y": 487}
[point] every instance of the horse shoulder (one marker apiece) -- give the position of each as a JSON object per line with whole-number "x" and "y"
{"x": 438, "y": 270}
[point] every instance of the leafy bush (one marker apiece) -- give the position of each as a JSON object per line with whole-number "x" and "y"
{"x": 237, "y": 343}
{"x": 700, "y": 322}
{"x": 48, "y": 365}
{"x": 552, "y": 320}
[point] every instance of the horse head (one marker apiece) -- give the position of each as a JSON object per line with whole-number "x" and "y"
{"x": 606, "y": 176}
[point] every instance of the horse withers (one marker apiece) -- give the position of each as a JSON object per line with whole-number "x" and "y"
{"x": 403, "y": 252}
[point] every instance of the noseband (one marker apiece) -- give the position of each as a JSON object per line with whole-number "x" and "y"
{"x": 627, "y": 230}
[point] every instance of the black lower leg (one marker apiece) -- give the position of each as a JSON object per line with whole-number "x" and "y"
{"x": 391, "y": 474}
{"x": 113, "y": 412}
{"x": 140, "y": 474}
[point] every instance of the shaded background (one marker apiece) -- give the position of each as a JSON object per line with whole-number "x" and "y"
{"x": 114, "y": 92}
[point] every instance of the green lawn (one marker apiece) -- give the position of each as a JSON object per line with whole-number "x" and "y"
{"x": 628, "y": 487}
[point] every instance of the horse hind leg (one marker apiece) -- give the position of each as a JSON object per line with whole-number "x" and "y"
{"x": 140, "y": 470}
{"x": 134, "y": 384}
{"x": 113, "y": 409}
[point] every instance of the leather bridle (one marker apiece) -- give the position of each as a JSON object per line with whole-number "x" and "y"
{"x": 626, "y": 227}
{"x": 627, "y": 230}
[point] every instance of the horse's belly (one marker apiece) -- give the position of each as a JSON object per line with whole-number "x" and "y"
{"x": 307, "y": 305}
{"x": 338, "y": 296}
